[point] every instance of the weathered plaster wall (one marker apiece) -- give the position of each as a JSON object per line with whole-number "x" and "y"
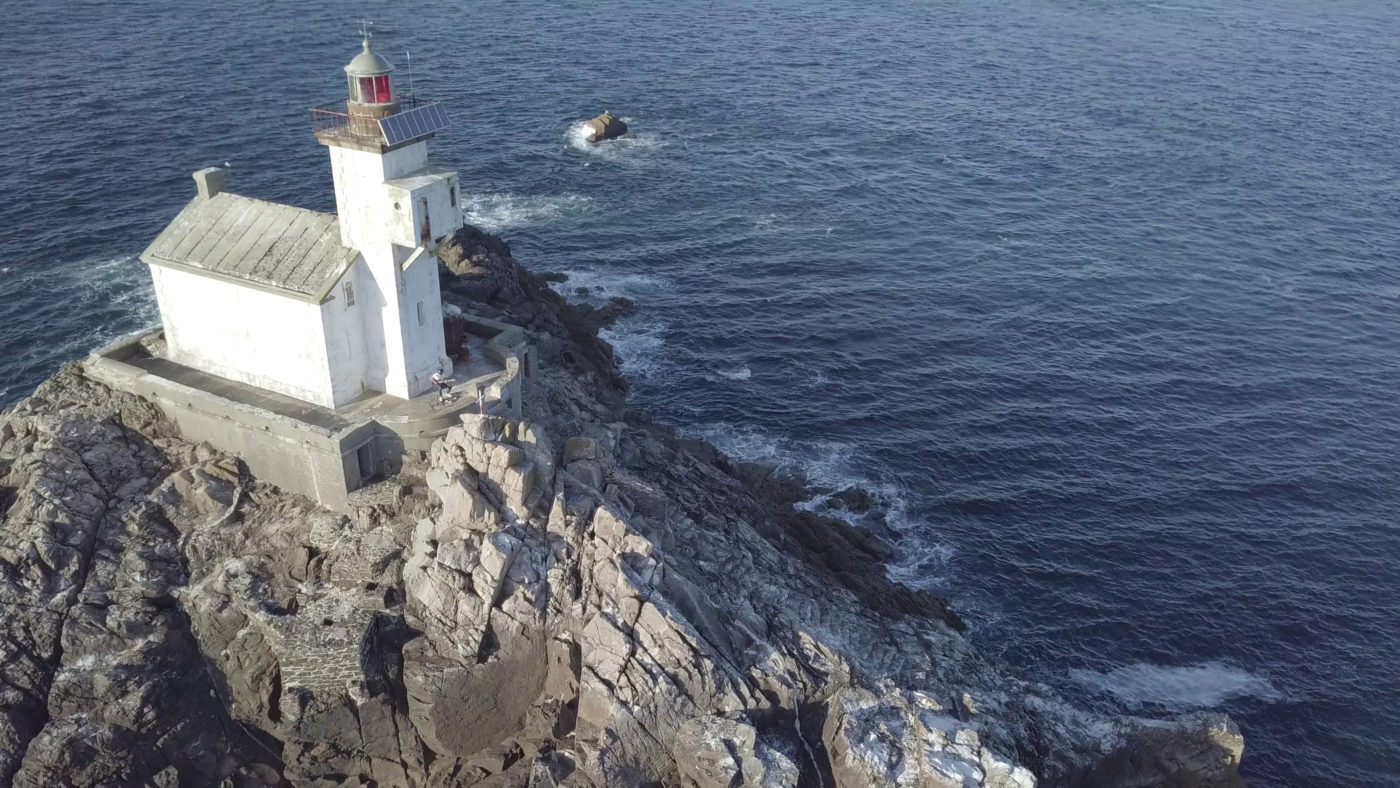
{"x": 425, "y": 350}
{"x": 361, "y": 198}
{"x": 266, "y": 340}
{"x": 402, "y": 346}
{"x": 343, "y": 326}
{"x": 428, "y": 193}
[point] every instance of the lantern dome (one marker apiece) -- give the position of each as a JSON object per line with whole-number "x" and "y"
{"x": 368, "y": 78}
{"x": 368, "y": 64}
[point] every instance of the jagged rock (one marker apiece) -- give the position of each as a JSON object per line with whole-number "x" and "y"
{"x": 718, "y": 752}
{"x": 606, "y": 126}
{"x": 581, "y": 448}
{"x": 852, "y": 499}
{"x": 479, "y": 266}
{"x": 462, "y": 504}
{"x": 889, "y": 740}
{"x": 1196, "y": 750}
{"x": 623, "y": 608}
{"x": 589, "y": 472}
{"x": 585, "y": 318}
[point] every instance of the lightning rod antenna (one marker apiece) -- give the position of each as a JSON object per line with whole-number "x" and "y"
{"x": 409, "y": 57}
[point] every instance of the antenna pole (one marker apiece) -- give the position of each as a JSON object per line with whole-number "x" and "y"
{"x": 409, "y": 57}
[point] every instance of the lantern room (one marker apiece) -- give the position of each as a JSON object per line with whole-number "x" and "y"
{"x": 368, "y": 77}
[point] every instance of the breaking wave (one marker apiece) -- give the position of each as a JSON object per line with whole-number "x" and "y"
{"x": 637, "y": 344}
{"x": 832, "y": 468}
{"x": 110, "y": 298}
{"x": 606, "y": 284}
{"x": 576, "y": 136}
{"x": 826, "y": 463}
{"x": 1202, "y": 686}
{"x": 498, "y": 212}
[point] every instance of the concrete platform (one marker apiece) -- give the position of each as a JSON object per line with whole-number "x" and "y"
{"x": 320, "y": 452}
{"x": 477, "y": 373}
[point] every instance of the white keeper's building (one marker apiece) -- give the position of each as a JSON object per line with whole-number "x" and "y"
{"x": 324, "y": 308}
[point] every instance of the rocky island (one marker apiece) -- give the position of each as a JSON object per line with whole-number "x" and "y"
{"x": 579, "y": 597}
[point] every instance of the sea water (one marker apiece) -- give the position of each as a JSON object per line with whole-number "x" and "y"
{"x": 1099, "y": 300}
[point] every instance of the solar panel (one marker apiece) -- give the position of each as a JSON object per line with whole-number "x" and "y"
{"x": 413, "y": 123}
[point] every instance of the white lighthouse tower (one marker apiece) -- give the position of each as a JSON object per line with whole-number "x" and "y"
{"x": 392, "y": 205}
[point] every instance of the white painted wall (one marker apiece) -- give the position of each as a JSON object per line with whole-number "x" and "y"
{"x": 361, "y": 198}
{"x": 342, "y": 325}
{"x": 252, "y": 336}
{"x": 426, "y": 351}
{"x": 400, "y": 350}
{"x": 417, "y": 196}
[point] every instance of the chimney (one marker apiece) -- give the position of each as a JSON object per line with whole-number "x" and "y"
{"x": 210, "y": 181}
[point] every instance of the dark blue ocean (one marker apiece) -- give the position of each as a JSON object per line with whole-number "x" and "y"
{"x": 1100, "y": 298}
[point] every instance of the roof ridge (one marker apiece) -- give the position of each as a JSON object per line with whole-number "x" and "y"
{"x": 263, "y": 201}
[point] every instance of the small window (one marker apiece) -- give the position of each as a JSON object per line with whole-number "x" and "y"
{"x": 452, "y": 195}
{"x": 422, "y": 315}
{"x": 349, "y": 288}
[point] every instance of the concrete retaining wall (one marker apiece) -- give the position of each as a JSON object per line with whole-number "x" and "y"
{"x": 322, "y": 464}
{"x": 291, "y": 454}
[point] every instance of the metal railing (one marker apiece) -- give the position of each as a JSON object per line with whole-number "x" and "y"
{"x": 334, "y": 120}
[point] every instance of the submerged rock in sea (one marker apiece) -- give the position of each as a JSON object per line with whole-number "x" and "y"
{"x": 575, "y": 598}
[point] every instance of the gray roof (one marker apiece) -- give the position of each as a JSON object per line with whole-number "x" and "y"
{"x": 368, "y": 64}
{"x": 294, "y": 251}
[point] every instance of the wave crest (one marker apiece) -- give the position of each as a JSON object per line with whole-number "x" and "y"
{"x": 499, "y": 211}
{"x": 1181, "y": 688}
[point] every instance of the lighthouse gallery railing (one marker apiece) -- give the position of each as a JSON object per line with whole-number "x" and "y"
{"x": 333, "y": 119}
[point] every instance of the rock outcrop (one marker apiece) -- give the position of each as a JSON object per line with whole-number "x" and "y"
{"x": 576, "y": 598}
{"x": 606, "y": 126}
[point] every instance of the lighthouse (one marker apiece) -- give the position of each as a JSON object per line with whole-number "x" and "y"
{"x": 305, "y": 341}
{"x": 392, "y": 205}
{"x": 324, "y": 308}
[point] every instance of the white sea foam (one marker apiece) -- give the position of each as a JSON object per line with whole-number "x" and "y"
{"x": 825, "y": 463}
{"x": 619, "y": 150}
{"x": 739, "y": 372}
{"x": 605, "y": 284}
{"x": 497, "y": 212}
{"x": 836, "y": 466}
{"x": 577, "y": 135}
{"x": 1202, "y": 686}
{"x": 101, "y": 301}
{"x": 638, "y": 345}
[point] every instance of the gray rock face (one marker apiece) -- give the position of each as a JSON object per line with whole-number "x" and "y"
{"x": 578, "y": 598}
{"x": 103, "y": 681}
